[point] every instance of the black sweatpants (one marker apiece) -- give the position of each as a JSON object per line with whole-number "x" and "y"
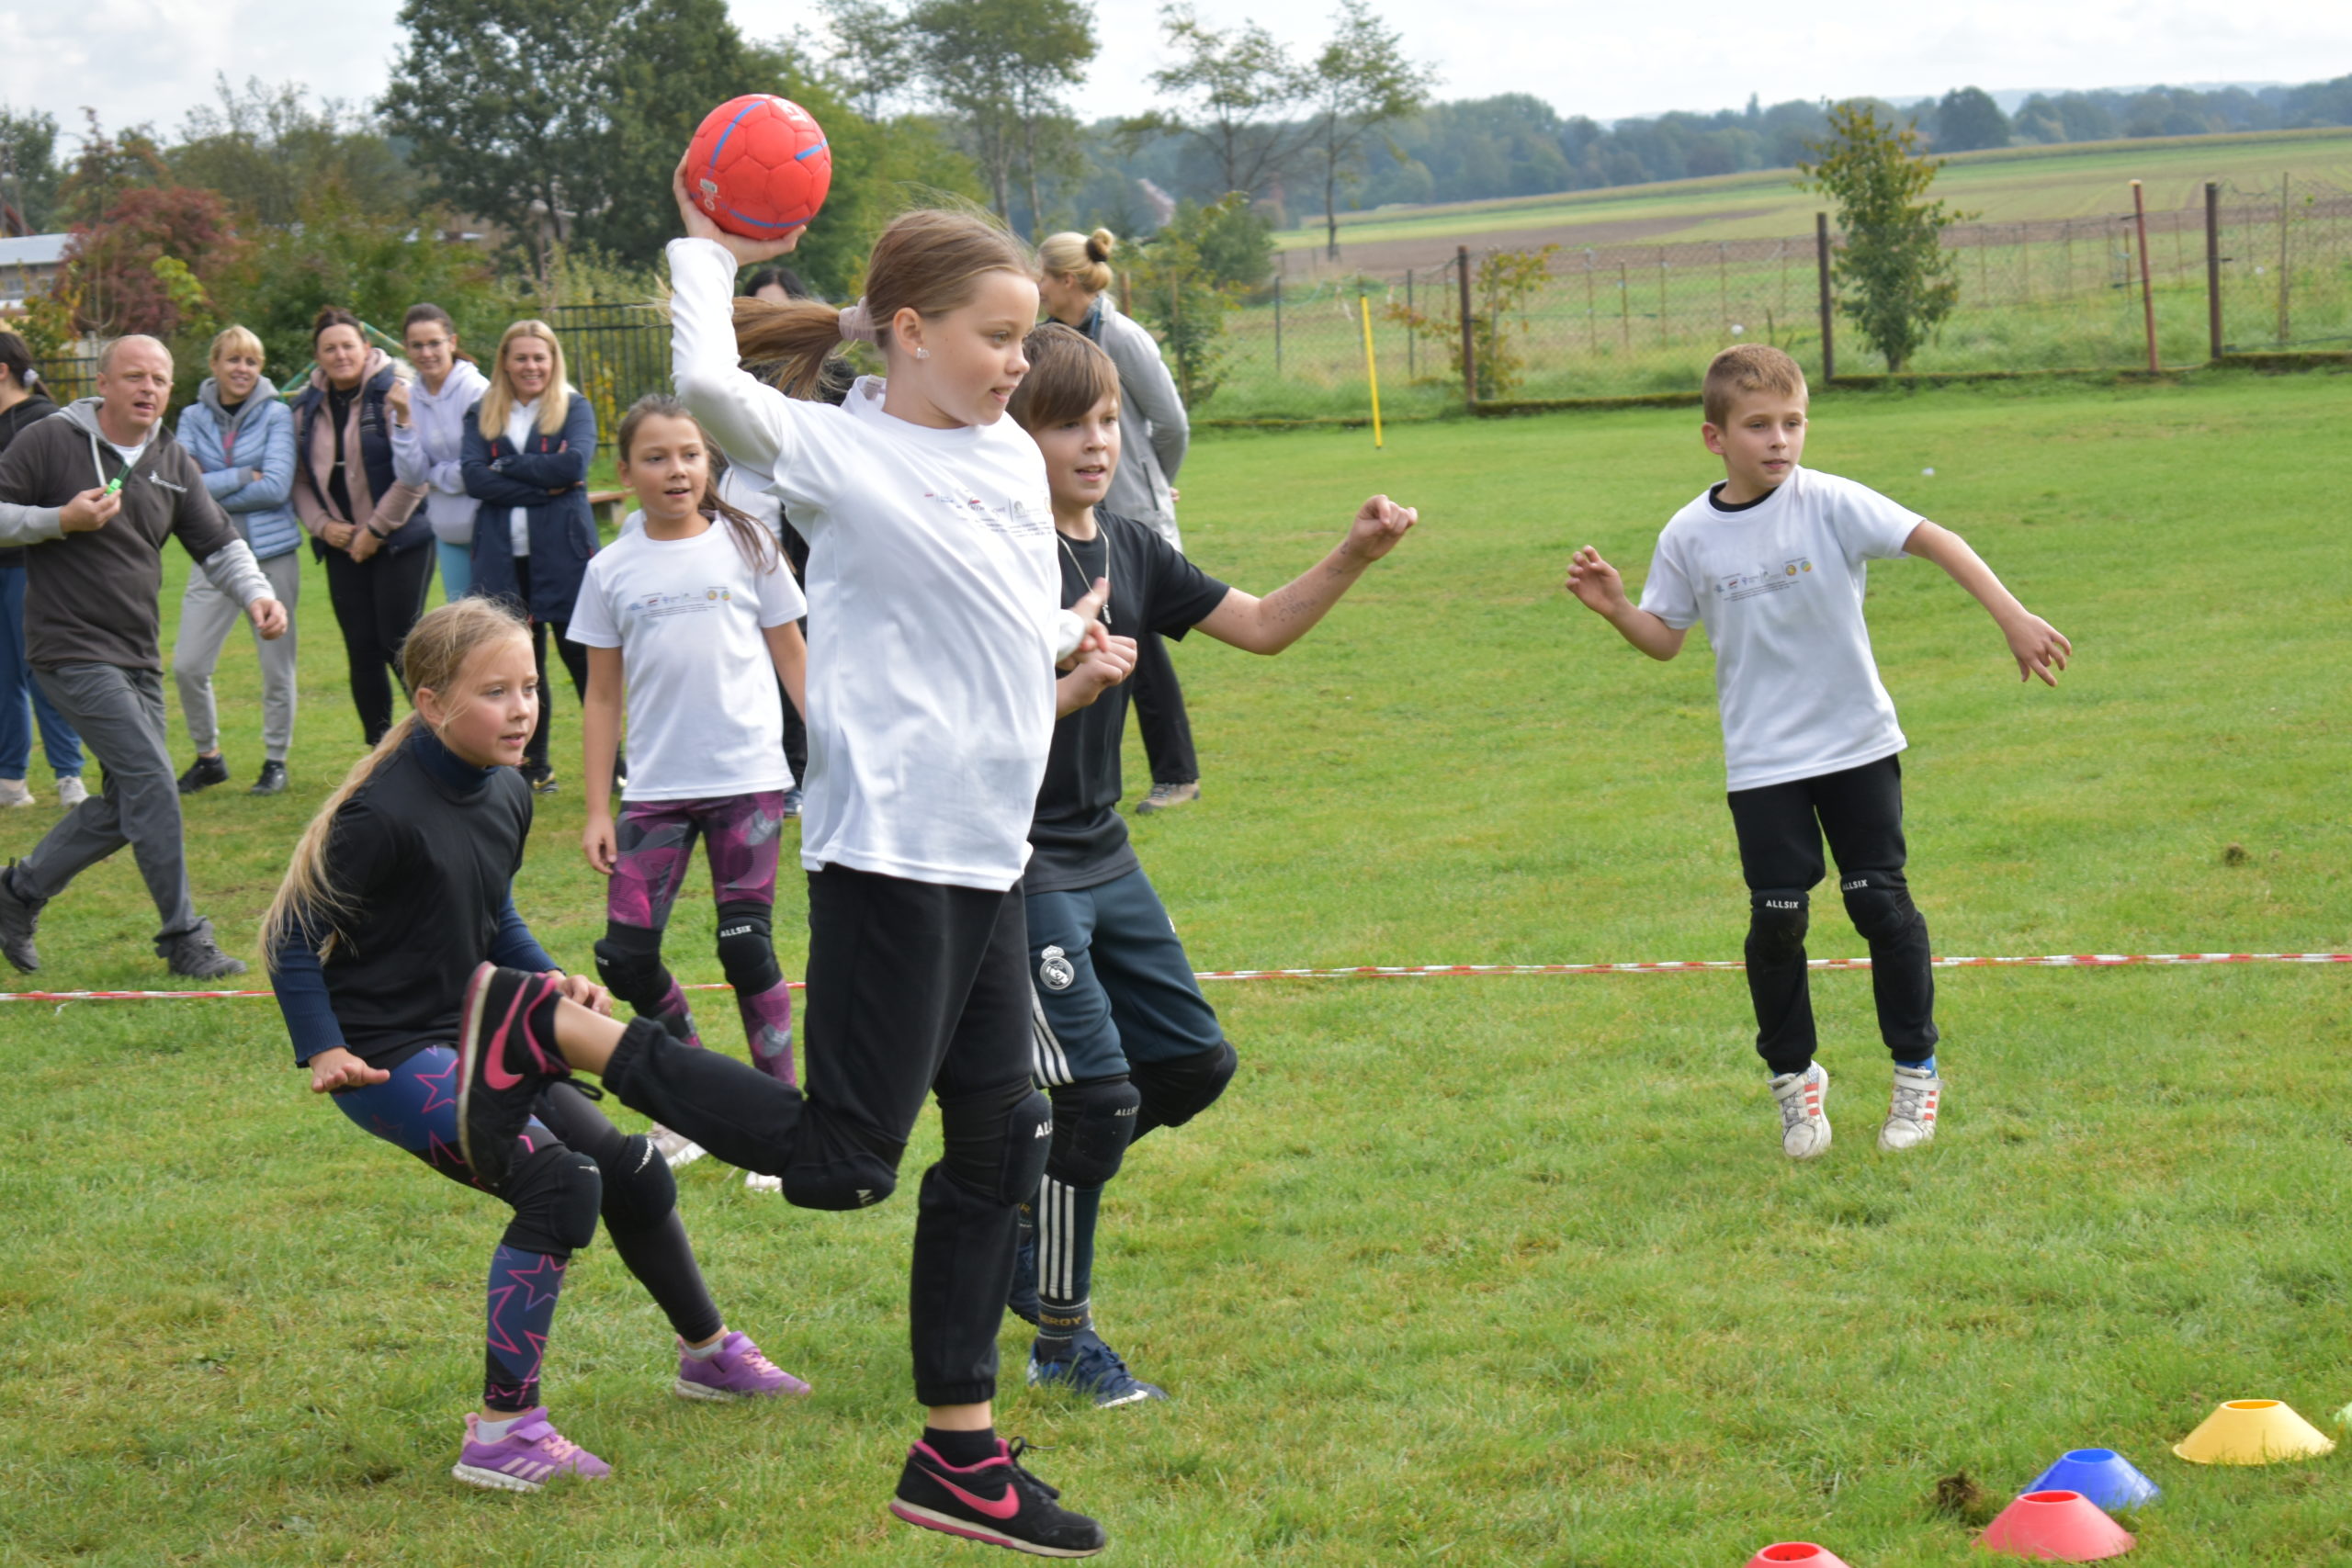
{"x": 914, "y": 989}
{"x": 1159, "y": 713}
{"x": 1780, "y": 828}
{"x": 377, "y": 602}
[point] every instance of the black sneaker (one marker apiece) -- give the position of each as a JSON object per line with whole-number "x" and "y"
{"x": 500, "y": 1068}
{"x": 195, "y": 954}
{"x": 1094, "y": 1370}
{"x": 1021, "y": 1299}
{"x": 996, "y": 1501}
{"x": 204, "y": 772}
{"x": 272, "y": 780}
{"x": 540, "y": 777}
{"x": 19, "y": 918}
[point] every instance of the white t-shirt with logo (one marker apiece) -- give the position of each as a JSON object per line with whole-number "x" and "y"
{"x": 1779, "y": 583}
{"x": 689, "y": 615}
{"x": 934, "y": 605}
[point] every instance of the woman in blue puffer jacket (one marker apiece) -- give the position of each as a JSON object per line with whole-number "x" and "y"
{"x": 243, "y": 437}
{"x": 528, "y": 445}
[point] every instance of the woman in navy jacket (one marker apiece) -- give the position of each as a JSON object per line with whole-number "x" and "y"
{"x": 528, "y": 445}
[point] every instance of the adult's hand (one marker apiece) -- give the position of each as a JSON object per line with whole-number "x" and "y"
{"x": 397, "y": 400}
{"x": 337, "y": 534}
{"x": 268, "y": 617}
{"x": 88, "y": 512}
{"x": 698, "y": 226}
{"x": 365, "y": 542}
{"x": 336, "y": 1069}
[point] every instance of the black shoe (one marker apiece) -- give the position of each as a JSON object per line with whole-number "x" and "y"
{"x": 500, "y": 1067}
{"x": 995, "y": 1501}
{"x": 197, "y": 956}
{"x": 1021, "y": 1300}
{"x": 540, "y": 777}
{"x": 19, "y": 918}
{"x": 272, "y": 780}
{"x": 204, "y": 772}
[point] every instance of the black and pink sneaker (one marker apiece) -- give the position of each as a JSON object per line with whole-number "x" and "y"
{"x": 996, "y": 1501}
{"x": 501, "y": 1067}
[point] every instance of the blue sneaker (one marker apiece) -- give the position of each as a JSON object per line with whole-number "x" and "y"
{"x": 1095, "y": 1371}
{"x": 1020, "y": 1298}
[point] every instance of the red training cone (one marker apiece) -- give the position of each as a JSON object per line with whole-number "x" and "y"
{"x": 2055, "y": 1527}
{"x": 1780, "y": 1553}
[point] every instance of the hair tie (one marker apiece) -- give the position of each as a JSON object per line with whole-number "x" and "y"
{"x": 856, "y": 325}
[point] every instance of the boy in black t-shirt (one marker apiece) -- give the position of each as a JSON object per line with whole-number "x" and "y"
{"x": 1125, "y": 1042}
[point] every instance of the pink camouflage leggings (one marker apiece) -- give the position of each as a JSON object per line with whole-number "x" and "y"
{"x": 656, "y": 845}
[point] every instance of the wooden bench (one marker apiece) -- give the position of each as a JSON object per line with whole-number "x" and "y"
{"x": 610, "y": 506}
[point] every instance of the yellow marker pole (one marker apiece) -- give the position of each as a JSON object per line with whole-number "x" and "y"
{"x": 1371, "y": 369}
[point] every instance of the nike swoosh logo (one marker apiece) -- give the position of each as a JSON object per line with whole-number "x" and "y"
{"x": 1004, "y": 1508}
{"x": 493, "y": 1068}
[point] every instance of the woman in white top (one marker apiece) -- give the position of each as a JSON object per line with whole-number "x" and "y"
{"x": 429, "y": 437}
{"x": 934, "y": 636}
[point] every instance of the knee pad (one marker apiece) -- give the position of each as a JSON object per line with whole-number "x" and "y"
{"x": 629, "y": 961}
{"x": 639, "y": 1191}
{"x": 557, "y": 1194}
{"x": 1879, "y": 903}
{"x": 1092, "y": 1123}
{"x": 747, "y": 951}
{"x": 1176, "y": 1091}
{"x": 1777, "y": 918}
{"x": 997, "y": 1144}
{"x": 833, "y": 1166}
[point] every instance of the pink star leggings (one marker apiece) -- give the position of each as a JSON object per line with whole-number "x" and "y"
{"x": 577, "y": 1166}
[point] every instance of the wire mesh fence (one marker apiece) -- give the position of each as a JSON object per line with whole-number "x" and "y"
{"x": 1608, "y": 321}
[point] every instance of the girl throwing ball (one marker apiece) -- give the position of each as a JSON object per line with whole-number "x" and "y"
{"x": 399, "y": 888}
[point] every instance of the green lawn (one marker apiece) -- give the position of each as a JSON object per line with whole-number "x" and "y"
{"x": 2010, "y": 186}
{"x": 1463, "y": 1272}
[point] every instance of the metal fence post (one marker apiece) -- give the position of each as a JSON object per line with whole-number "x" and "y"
{"x": 1821, "y": 249}
{"x": 1469, "y": 344}
{"x": 2213, "y": 266}
{"x": 2147, "y": 281}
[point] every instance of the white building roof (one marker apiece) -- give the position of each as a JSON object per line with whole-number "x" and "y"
{"x": 33, "y": 249}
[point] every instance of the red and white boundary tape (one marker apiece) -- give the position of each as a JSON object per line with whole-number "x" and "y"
{"x": 1432, "y": 971}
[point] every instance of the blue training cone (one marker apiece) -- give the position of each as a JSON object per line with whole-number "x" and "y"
{"x": 2103, "y": 1475}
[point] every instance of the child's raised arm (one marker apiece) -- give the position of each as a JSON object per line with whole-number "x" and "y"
{"x": 1598, "y": 588}
{"x": 1270, "y": 624}
{"x": 2034, "y": 643}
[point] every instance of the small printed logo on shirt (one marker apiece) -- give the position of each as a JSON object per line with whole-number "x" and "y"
{"x": 1054, "y": 971}
{"x": 1760, "y": 578}
{"x": 692, "y": 602}
{"x": 1011, "y": 517}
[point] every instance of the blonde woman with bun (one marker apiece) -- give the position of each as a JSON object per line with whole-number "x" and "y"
{"x": 1073, "y": 286}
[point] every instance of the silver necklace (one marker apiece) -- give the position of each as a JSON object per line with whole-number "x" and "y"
{"x": 1079, "y": 566}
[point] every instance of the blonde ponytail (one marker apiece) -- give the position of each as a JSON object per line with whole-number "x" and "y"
{"x": 435, "y": 657}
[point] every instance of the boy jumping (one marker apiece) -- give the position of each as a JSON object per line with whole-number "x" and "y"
{"x": 1773, "y": 560}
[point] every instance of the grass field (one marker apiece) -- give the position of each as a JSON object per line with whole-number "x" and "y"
{"x": 2010, "y": 186}
{"x": 1463, "y": 1272}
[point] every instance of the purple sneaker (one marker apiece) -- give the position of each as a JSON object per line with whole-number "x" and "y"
{"x": 738, "y": 1372}
{"x": 526, "y": 1458}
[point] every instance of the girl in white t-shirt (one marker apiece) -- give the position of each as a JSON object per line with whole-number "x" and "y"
{"x": 934, "y": 629}
{"x": 689, "y": 613}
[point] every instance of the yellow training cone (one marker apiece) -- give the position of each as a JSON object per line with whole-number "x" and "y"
{"x": 2253, "y": 1431}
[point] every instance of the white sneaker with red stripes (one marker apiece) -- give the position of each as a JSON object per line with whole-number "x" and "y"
{"x": 1911, "y": 1116}
{"x": 1805, "y": 1126}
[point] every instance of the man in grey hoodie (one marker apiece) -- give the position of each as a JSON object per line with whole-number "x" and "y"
{"x": 92, "y": 631}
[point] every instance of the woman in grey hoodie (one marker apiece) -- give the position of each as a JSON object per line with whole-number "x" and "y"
{"x": 243, "y": 437}
{"x": 429, "y": 435}
{"x": 1075, "y": 271}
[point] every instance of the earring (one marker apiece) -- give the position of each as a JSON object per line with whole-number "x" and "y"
{"x": 923, "y": 354}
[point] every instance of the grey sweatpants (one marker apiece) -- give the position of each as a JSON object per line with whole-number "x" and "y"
{"x": 120, "y": 715}
{"x": 207, "y": 617}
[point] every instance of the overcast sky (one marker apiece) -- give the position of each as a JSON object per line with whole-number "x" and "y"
{"x": 153, "y": 59}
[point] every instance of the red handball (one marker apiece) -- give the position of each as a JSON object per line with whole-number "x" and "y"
{"x": 759, "y": 166}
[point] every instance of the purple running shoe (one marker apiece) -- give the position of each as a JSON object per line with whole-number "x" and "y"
{"x": 738, "y": 1372}
{"x": 528, "y": 1458}
{"x": 502, "y": 1068}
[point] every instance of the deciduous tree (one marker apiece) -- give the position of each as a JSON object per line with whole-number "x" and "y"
{"x": 1362, "y": 81}
{"x": 1896, "y": 283}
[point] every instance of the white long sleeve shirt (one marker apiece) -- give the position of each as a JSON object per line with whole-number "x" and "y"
{"x": 934, "y": 611}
